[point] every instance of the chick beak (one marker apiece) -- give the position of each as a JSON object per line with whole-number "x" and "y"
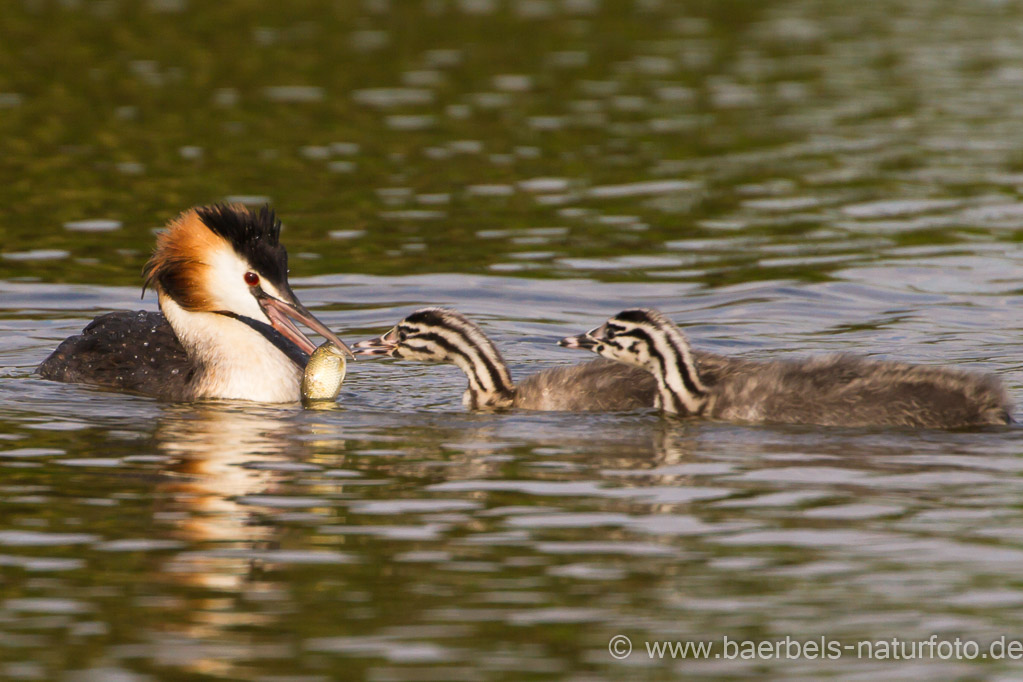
{"x": 281, "y": 314}
{"x": 382, "y": 345}
{"x": 588, "y": 341}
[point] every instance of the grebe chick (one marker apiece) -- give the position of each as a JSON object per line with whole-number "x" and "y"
{"x": 832, "y": 390}
{"x": 445, "y": 336}
{"x": 225, "y": 328}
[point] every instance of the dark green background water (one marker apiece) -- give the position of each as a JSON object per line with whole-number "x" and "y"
{"x": 780, "y": 177}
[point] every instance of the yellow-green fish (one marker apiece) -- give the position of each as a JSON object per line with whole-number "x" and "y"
{"x": 324, "y": 374}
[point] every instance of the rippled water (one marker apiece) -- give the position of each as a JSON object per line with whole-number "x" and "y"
{"x": 782, "y": 178}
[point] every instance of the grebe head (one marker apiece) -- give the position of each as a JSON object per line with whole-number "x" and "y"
{"x": 629, "y": 337}
{"x": 226, "y": 260}
{"x": 649, "y": 340}
{"x": 427, "y": 335}
{"x": 441, "y": 335}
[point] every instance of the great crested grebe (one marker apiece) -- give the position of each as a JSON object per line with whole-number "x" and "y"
{"x": 226, "y": 330}
{"x": 445, "y": 336}
{"x": 832, "y": 390}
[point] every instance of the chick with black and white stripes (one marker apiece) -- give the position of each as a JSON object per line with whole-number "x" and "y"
{"x": 445, "y": 336}
{"x": 830, "y": 390}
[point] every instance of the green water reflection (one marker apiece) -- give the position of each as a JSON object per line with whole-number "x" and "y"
{"x": 791, "y": 176}
{"x": 132, "y": 111}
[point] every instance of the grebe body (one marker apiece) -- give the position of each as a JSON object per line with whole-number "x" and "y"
{"x": 831, "y": 390}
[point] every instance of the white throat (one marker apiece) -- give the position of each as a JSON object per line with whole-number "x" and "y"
{"x": 678, "y": 379}
{"x": 235, "y": 361}
{"x": 485, "y": 390}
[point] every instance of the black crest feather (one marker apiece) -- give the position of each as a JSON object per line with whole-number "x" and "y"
{"x": 432, "y": 316}
{"x": 637, "y": 315}
{"x": 255, "y": 236}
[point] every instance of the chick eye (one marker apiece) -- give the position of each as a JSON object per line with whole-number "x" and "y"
{"x": 251, "y": 278}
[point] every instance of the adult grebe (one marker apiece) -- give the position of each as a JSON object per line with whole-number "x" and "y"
{"x": 221, "y": 278}
{"x": 832, "y": 390}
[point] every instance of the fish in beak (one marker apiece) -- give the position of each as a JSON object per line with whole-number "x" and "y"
{"x": 382, "y": 345}
{"x": 281, "y": 314}
{"x": 588, "y": 341}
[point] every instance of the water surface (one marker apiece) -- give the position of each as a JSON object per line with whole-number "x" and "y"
{"x": 784, "y": 179}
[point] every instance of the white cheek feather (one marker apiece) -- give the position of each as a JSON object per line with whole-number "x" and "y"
{"x": 237, "y": 363}
{"x": 630, "y": 352}
{"x": 226, "y": 284}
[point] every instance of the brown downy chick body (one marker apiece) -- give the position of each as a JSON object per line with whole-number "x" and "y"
{"x": 832, "y": 390}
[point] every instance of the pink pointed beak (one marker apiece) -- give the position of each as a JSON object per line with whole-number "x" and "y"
{"x": 281, "y": 315}
{"x": 385, "y": 344}
{"x": 588, "y": 341}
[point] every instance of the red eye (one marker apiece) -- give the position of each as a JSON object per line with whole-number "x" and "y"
{"x": 251, "y": 278}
